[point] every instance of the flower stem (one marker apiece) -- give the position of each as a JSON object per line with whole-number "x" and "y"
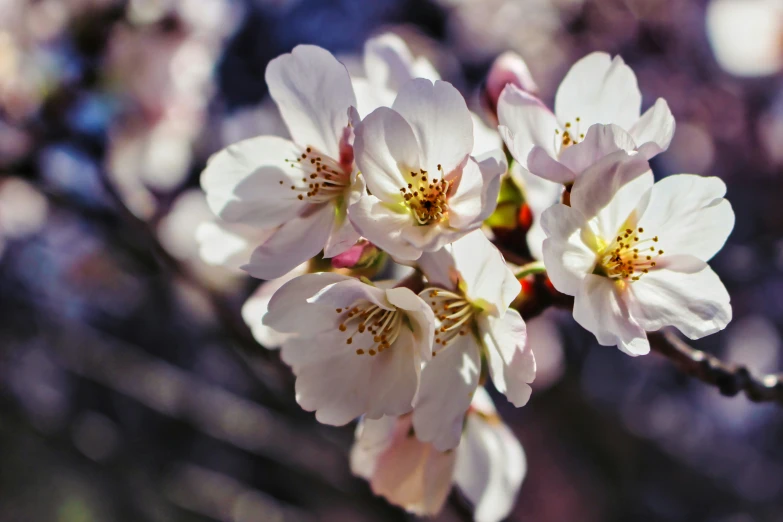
{"x": 536, "y": 267}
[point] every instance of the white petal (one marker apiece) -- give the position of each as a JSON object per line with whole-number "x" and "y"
{"x": 440, "y": 120}
{"x": 394, "y": 380}
{"x": 412, "y": 474}
{"x": 599, "y": 184}
{"x": 599, "y": 309}
{"x": 598, "y": 89}
{"x": 290, "y": 312}
{"x": 229, "y": 244}
{"x": 491, "y": 466}
{"x": 243, "y": 182}
{"x": 345, "y": 293}
{"x": 313, "y": 92}
{"x": 292, "y": 244}
{"x": 447, "y": 385}
{"x": 388, "y": 62}
{"x": 439, "y": 268}
{"x": 369, "y": 97}
{"x": 511, "y": 361}
{"x": 540, "y": 163}
{"x": 601, "y": 140}
{"x": 493, "y": 166}
{"x": 488, "y": 280}
{"x": 420, "y": 315}
{"x": 654, "y": 131}
{"x": 383, "y": 226}
{"x": 385, "y": 145}
{"x": 696, "y": 303}
{"x": 689, "y": 215}
{"x": 466, "y": 203}
{"x": 485, "y": 139}
{"x": 567, "y": 259}
{"x": 539, "y": 194}
{"x": 257, "y": 306}
{"x": 525, "y": 122}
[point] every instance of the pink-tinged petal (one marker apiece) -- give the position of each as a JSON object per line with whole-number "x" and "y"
{"x": 292, "y": 244}
{"x": 567, "y": 258}
{"x": 466, "y": 198}
{"x": 654, "y": 131}
{"x": 440, "y": 120}
{"x": 343, "y": 235}
{"x": 540, "y": 163}
{"x": 491, "y": 466}
{"x": 601, "y": 140}
{"x": 689, "y": 215}
{"x": 493, "y": 166}
{"x": 250, "y": 182}
{"x": 598, "y": 186}
{"x": 313, "y": 92}
{"x": 373, "y": 437}
{"x": 512, "y": 365}
{"x": 229, "y": 244}
{"x": 696, "y": 303}
{"x": 412, "y": 474}
{"x": 487, "y": 279}
{"x": 598, "y": 89}
{"x": 383, "y": 226}
{"x": 257, "y": 306}
{"x": 526, "y": 122}
{"x": 599, "y": 309}
{"x": 386, "y": 147}
{"x": 289, "y": 311}
{"x": 447, "y": 385}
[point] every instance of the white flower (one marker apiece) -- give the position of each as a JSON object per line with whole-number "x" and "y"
{"x": 488, "y": 466}
{"x": 388, "y": 65}
{"x": 474, "y": 322}
{"x": 257, "y": 305}
{"x": 356, "y": 349}
{"x": 427, "y": 190}
{"x": 298, "y": 191}
{"x": 597, "y": 90}
{"x": 634, "y": 253}
{"x": 539, "y": 194}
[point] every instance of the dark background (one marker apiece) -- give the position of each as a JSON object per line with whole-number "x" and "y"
{"x": 130, "y": 389}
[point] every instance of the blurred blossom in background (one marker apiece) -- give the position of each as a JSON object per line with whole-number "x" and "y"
{"x": 125, "y": 392}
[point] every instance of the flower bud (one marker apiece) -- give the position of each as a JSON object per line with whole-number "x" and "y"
{"x": 361, "y": 255}
{"x": 507, "y": 68}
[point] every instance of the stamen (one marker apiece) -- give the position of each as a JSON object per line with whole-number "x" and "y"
{"x": 371, "y": 323}
{"x": 454, "y": 312}
{"x": 323, "y": 179}
{"x": 622, "y": 259}
{"x": 427, "y": 201}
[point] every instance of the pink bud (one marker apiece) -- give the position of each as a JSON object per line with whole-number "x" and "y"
{"x": 509, "y": 67}
{"x": 359, "y": 255}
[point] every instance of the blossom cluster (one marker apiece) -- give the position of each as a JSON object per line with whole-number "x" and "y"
{"x": 390, "y": 163}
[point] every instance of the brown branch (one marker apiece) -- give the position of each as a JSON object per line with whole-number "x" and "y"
{"x": 730, "y": 379}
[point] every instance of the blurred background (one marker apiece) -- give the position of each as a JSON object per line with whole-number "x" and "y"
{"x": 130, "y": 388}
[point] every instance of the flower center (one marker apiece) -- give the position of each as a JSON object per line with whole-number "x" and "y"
{"x": 371, "y": 324}
{"x": 629, "y": 256}
{"x": 454, "y": 313}
{"x": 427, "y": 199}
{"x": 570, "y": 135}
{"x": 323, "y": 178}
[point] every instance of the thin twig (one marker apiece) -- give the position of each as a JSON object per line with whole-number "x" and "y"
{"x": 730, "y": 379}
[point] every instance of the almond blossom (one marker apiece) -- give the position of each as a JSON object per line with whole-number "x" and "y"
{"x": 471, "y": 291}
{"x": 355, "y": 348}
{"x": 634, "y": 253}
{"x": 294, "y": 192}
{"x": 488, "y": 467}
{"x": 597, "y": 90}
{"x": 426, "y": 189}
